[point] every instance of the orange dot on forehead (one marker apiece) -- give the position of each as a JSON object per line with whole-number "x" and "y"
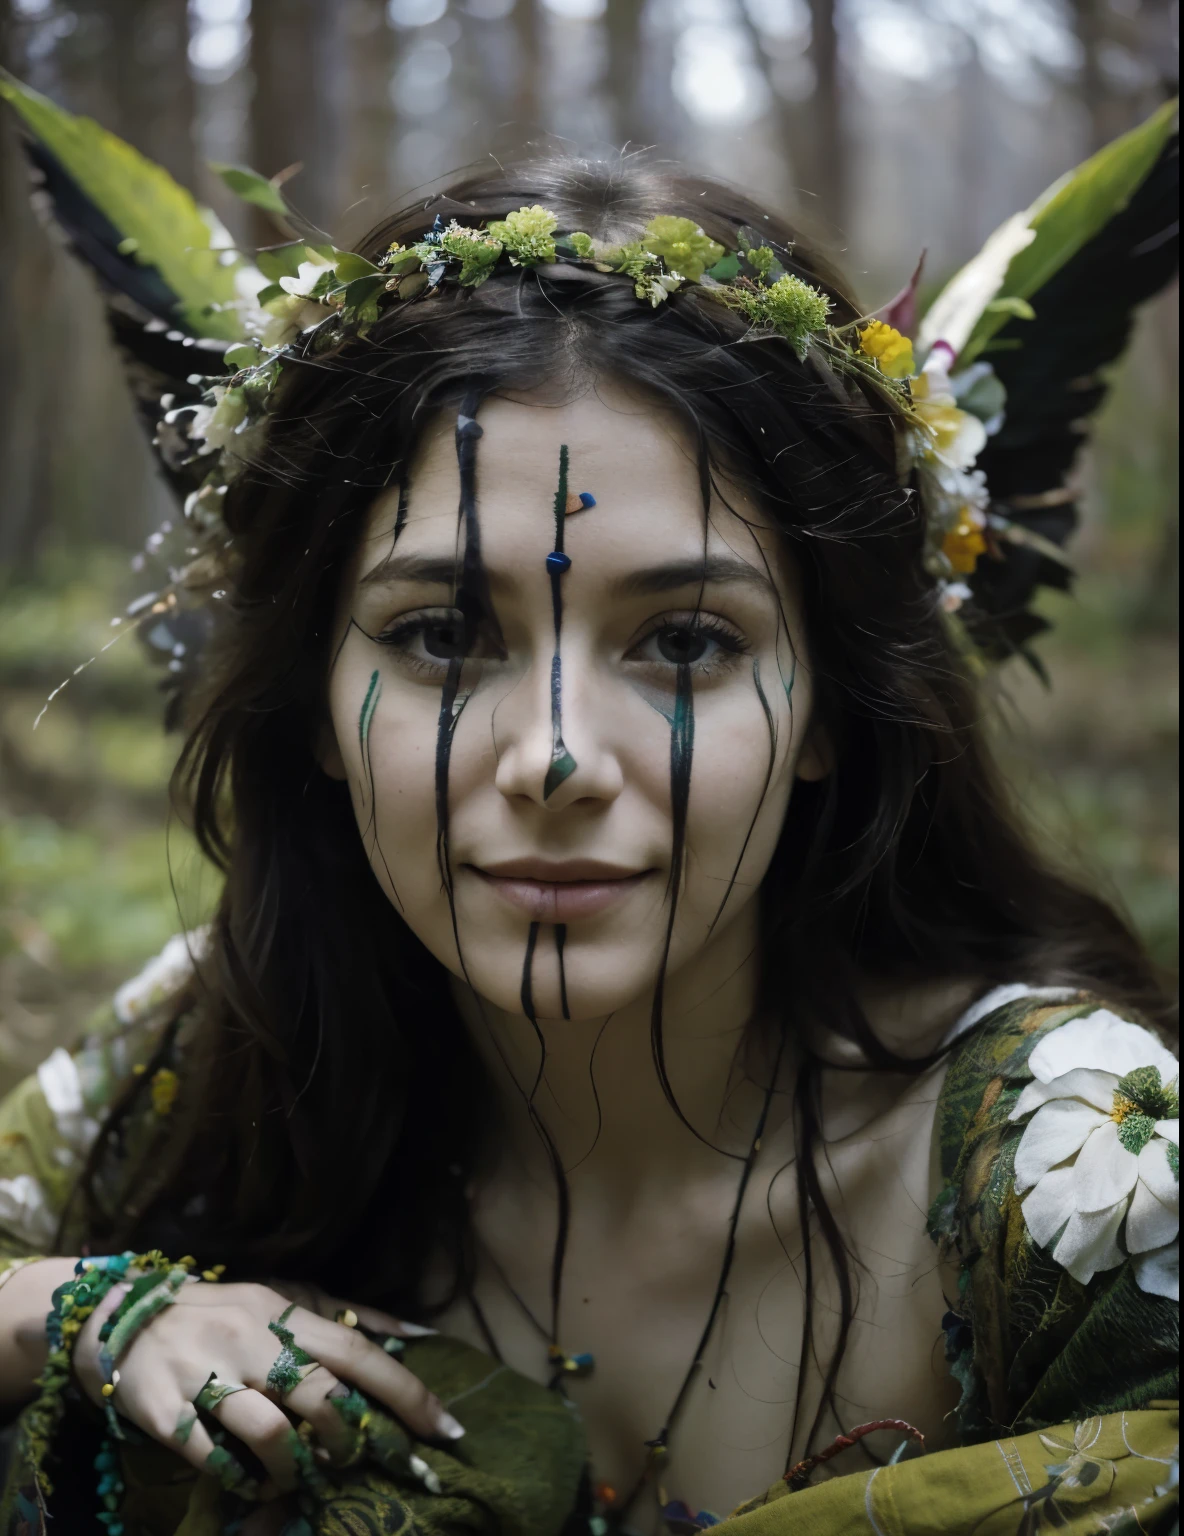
{"x": 579, "y": 501}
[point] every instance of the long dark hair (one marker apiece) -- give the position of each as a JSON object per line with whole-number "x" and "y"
{"x": 327, "y": 1122}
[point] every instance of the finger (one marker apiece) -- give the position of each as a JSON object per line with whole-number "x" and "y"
{"x": 354, "y": 1359}
{"x": 383, "y": 1322}
{"x": 183, "y": 1433}
{"x": 314, "y": 1401}
{"x": 266, "y": 1430}
{"x": 86, "y": 1349}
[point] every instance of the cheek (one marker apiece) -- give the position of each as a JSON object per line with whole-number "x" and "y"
{"x": 386, "y": 738}
{"x": 741, "y": 779}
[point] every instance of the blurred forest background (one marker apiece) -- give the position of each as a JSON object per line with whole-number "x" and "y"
{"x": 884, "y": 125}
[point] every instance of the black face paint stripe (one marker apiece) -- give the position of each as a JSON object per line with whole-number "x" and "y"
{"x": 527, "y": 990}
{"x": 563, "y": 764}
{"x": 772, "y": 727}
{"x": 682, "y": 743}
{"x": 472, "y": 599}
{"x": 560, "y": 941}
{"x": 682, "y": 746}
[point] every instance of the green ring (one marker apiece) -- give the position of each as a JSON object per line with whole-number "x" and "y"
{"x": 215, "y": 1392}
{"x": 292, "y": 1364}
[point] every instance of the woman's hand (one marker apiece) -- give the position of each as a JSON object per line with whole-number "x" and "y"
{"x": 224, "y": 1329}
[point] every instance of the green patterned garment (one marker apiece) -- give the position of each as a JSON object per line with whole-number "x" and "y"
{"x": 1058, "y": 1128}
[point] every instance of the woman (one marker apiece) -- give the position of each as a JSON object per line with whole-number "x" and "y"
{"x": 625, "y": 940}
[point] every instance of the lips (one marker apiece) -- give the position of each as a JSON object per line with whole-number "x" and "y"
{"x": 561, "y": 892}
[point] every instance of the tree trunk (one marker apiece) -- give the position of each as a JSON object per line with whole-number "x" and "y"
{"x": 526, "y": 28}
{"x": 622, "y": 24}
{"x": 293, "y": 54}
{"x": 828, "y": 167}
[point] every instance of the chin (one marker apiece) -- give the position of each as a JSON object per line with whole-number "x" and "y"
{"x": 598, "y": 979}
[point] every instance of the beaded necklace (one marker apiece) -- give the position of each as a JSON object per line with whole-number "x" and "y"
{"x": 612, "y": 1509}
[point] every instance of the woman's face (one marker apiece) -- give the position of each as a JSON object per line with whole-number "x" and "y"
{"x": 526, "y": 753}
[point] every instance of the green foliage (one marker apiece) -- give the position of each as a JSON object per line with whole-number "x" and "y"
{"x": 250, "y": 187}
{"x": 527, "y": 234}
{"x": 476, "y": 251}
{"x": 1070, "y": 213}
{"x": 682, "y": 245}
{"x": 581, "y": 245}
{"x": 1145, "y": 1087}
{"x": 282, "y": 260}
{"x": 161, "y": 223}
{"x": 790, "y": 307}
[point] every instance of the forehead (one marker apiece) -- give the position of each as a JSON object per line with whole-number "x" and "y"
{"x": 628, "y": 451}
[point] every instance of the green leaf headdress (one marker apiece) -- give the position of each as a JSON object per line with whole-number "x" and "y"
{"x": 988, "y": 394}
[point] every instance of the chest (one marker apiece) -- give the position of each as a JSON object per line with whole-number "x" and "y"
{"x": 738, "y": 1399}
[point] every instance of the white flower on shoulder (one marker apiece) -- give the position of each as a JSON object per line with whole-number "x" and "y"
{"x": 1103, "y": 1149}
{"x": 26, "y": 1212}
{"x": 162, "y": 977}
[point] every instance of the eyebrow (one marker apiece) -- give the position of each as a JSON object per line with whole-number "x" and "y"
{"x": 715, "y": 570}
{"x": 427, "y": 570}
{"x": 672, "y": 576}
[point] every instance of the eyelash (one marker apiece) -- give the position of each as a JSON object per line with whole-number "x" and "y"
{"x": 732, "y": 644}
{"x": 399, "y": 636}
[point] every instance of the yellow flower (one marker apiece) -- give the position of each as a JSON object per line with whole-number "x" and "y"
{"x": 964, "y": 543}
{"x": 682, "y": 245}
{"x": 891, "y": 350}
{"x": 164, "y": 1090}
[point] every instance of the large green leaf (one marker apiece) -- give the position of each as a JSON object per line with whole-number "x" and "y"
{"x": 159, "y": 220}
{"x": 1070, "y": 213}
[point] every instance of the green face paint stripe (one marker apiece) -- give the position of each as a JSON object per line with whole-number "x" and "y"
{"x": 369, "y": 705}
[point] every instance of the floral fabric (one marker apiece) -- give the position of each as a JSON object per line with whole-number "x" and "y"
{"x": 1115, "y": 1474}
{"x": 1053, "y": 1320}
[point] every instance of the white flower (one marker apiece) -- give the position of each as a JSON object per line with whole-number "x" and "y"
{"x": 308, "y": 275}
{"x": 61, "y": 1088}
{"x": 25, "y": 1211}
{"x": 949, "y": 437}
{"x": 289, "y": 316}
{"x": 162, "y": 977}
{"x": 1102, "y": 1149}
{"x": 953, "y": 594}
{"x": 661, "y": 286}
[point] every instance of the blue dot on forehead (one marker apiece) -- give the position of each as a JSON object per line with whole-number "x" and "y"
{"x": 558, "y": 562}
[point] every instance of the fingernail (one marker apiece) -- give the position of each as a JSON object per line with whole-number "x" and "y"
{"x": 416, "y": 1331}
{"x": 322, "y": 1455}
{"x": 449, "y": 1427}
{"x": 339, "y": 1391}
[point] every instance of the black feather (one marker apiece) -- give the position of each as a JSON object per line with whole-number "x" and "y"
{"x": 158, "y": 352}
{"x": 1052, "y": 368}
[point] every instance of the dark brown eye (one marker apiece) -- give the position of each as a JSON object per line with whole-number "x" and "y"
{"x": 444, "y": 639}
{"x": 683, "y": 647}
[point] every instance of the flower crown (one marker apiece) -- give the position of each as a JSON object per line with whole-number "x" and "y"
{"x": 319, "y": 296}
{"x": 177, "y": 290}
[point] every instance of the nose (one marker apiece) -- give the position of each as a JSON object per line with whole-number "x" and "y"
{"x": 552, "y": 743}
